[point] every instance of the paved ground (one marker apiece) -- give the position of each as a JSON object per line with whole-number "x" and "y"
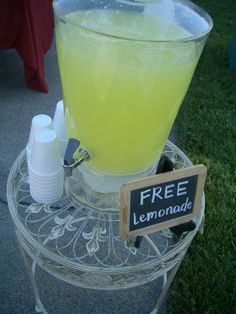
{"x": 18, "y": 105}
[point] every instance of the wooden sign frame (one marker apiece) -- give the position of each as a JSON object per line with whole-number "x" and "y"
{"x": 125, "y": 200}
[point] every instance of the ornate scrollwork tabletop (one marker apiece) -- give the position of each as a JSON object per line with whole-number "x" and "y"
{"x": 81, "y": 244}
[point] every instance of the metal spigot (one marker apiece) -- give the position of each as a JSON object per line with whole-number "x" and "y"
{"x": 73, "y": 156}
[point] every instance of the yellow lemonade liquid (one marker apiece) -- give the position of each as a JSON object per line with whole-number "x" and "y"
{"x": 122, "y": 95}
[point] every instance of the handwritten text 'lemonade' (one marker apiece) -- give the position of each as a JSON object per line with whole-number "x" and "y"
{"x": 152, "y": 195}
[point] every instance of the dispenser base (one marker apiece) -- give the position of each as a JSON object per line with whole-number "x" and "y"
{"x": 106, "y": 183}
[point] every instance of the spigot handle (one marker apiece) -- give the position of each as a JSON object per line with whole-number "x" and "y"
{"x": 71, "y": 148}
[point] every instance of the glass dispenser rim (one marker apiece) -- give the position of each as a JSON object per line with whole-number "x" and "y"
{"x": 201, "y": 12}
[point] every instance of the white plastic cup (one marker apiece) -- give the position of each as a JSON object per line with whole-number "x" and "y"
{"x": 47, "y": 192}
{"x": 45, "y": 199}
{"x": 39, "y": 122}
{"x": 45, "y": 184}
{"x": 45, "y": 156}
{"x": 59, "y": 126}
{"x": 51, "y": 189}
{"x": 46, "y": 175}
{"x": 58, "y": 121}
{"x": 47, "y": 189}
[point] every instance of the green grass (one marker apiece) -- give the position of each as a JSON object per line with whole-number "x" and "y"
{"x": 206, "y": 280}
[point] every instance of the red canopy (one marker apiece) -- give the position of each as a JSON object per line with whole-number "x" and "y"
{"x": 27, "y": 26}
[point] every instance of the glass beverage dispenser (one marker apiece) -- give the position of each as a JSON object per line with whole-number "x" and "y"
{"x": 125, "y": 67}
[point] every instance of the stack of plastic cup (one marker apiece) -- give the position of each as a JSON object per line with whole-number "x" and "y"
{"x": 39, "y": 122}
{"x": 58, "y": 123}
{"x": 46, "y": 175}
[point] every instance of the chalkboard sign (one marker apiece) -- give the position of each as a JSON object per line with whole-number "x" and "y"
{"x": 161, "y": 201}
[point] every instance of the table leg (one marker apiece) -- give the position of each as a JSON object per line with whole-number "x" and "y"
{"x": 166, "y": 288}
{"x": 30, "y": 268}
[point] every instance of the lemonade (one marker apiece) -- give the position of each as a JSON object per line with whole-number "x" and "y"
{"x": 122, "y": 95}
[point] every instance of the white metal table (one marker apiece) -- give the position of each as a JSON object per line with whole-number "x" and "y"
{"x": 81, "y": 245}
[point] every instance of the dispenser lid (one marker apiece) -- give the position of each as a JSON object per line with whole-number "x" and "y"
{"x": 139, "y": 20}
